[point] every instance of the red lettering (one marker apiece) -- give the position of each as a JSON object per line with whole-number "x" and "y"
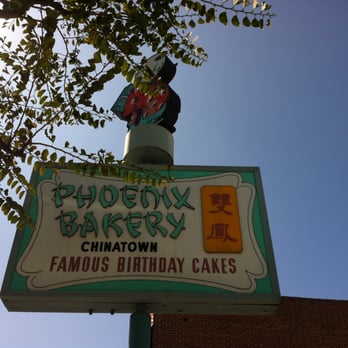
{"x": 79, "y": 264}
{"x": 153, "y": 264}
{"x": 74, "y": 264}
{"x": 233, "y": 267}
{"x": 136, "y": 264}
{"x": 205, "y": 266}
{"x": 195, "y": 268}
{"x": 120, "y": 264}
{"x": 162, "y": 265}
{"x": 223, "y": 266}
{"x": 62, "y": 265}
{"x": 215, "y": 266}
{"x": 105, "y": 264}
{"x": 172, "y": 265}
{"x": 53, "y": 262}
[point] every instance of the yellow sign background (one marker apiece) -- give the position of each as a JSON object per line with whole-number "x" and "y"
{"x": 221, "y": 225}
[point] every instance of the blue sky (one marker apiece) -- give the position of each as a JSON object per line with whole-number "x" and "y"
{"x": 276, "y": 99}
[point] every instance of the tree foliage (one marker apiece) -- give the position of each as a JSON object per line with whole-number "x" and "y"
{"x": 48, "y": 80}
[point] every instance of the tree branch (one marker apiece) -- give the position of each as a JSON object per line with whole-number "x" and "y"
{"x": 13, "y": 9}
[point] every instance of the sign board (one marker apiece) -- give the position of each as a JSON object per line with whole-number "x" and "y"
{"x": 200, "y": 244}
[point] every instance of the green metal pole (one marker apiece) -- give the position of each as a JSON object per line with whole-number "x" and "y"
{"x": 140, "y": 330}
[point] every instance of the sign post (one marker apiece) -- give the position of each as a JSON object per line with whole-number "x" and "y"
{"x": 140, "y": 329}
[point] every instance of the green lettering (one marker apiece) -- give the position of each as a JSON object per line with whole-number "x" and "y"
{"x": 89, "y": 225}
{"x": 68, "y": 227}
{"x": 152, "y": 221}
{"x": 133, "y": 225}
{"x": 61, "y": 192}
{"x": 109, "y": 222}
{"x": 167, "y": 202}
{"x": 144, "y": 201}
{"x": 90, "y": 196}
{"x": 179, "y": 225}
{"x": 113, "y": 193}
{"x": 181, "y": 199}
{"x": 127, "y": 198}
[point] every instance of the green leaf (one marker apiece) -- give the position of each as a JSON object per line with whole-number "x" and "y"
{"x": 44, "y": 155}
{"x": 202, "y": 10}
{"x": 235, "y": 21}
{"x": 41, "y": 93}
{"x": 21, "y": 194}
{"x": 43, "y": 99}
{"x": 255, "y": 23}
{"x": 246, "y": 21}
{"x": 223, "y": 18}
{"x": 97, "y": 57}
{"x": 139, "y": 179}
{"x": 131, "y": 177}
{"x": 261, "y": 23}
{"x": 129, "y": 76}
{"x": 53, "y": 157}
{"x": 125, "y": 174}
{"x": 36, "y": 166}
{"x": 9, "y": 181}
{"x": 62, "y": 161}
{"x": 5, "y": 208}
{"x": 9, "y": 125}
{"x": 210, "y": 15}
{"x": 124, "y": 68}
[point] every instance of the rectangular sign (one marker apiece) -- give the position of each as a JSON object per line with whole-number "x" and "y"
{"x": 199, "y": 244}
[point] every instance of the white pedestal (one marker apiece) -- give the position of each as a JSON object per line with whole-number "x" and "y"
{"x": 149, "y": 144}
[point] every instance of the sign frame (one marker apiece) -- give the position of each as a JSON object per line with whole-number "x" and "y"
{"x": 166, "y": 298}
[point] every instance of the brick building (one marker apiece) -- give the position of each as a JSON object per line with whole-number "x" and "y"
{"x": 299, "y": 322}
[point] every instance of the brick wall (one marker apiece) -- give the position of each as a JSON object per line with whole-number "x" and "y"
{"x": 298, "y": 322}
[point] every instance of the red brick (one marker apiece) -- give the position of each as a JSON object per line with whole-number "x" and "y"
{"x": 299, "y": 322}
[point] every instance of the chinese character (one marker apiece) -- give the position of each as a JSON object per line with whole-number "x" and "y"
{"x": 220, "y": 231}
{"x": 220, "y": 201}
